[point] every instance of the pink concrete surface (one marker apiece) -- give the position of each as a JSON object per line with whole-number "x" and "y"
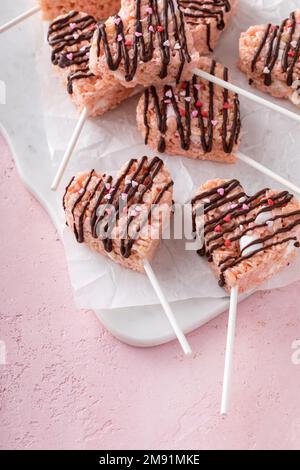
{"x": 69, "y": 384}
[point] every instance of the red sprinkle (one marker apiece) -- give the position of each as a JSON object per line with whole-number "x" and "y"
{"x": 128, "y": 42}
{"x": 184, "y": 85}
{"x": 227, "y": 243}
{"x": 204, "y": 113}
{"x": 218, "y": 229}
{"x": 227, "y": 218}
{"x": 226, "y": 106}
{"x": 198, "y": 104}
{"x": 270, "y": 202}
{"x": 160, "y": 28}
{"x": 182, "y": 112}
{"x": 291, "y": 54}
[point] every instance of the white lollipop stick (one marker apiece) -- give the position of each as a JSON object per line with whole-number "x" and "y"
{"x": 247, "y": 94}
{"x": 258, "y": 166}
{"x": 19, "y": 19}
{"x": 229, "y": 350}
{"x": 70, "y": 148}
{"x": 166, "y": 306}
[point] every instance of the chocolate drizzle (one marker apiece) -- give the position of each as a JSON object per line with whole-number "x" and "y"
{"x": 93, "y": 198}
{"x": 237, "y": 218}
{"x": 65, "y": 33}
{"x": 197, "y": 12}
{"x": 141, "y": 48}
{"x": 273, "y": 41}
{"x": 192, "y": 101}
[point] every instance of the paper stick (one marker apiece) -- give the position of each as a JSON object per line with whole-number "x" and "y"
{"x": 229, "y": 350}
{"x": 70, "y": 149}
{"x": 166, "y": 306}
{"x": 247, "y": 94}
{"x": 258, "y": 166}
{"x": 19, "y": 19}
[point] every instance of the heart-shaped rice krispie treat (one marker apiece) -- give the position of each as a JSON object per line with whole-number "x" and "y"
{"x": 270, "y": 57}
{"x": 247, "y": 239}
{"x": 195, "y": 119}
{"x": 70, "y": 38}
{"x": 147, "y": 43}
{"x": 207, "y": 19}
{"x": 123, "y": 217}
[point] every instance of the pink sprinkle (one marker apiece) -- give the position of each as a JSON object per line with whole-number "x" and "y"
{"x": 169, "y": 94}
{"x": 124, "y": 196}
{"x": 117, "y": 20}
{"x": 188, "y": 98}
{"x": 198, "y": 87}
{"x": 119, "y": 38}
{"x": 87, "y": 55}
{"x": 151, "y": 28}
{"x": 149, "y": 10}
{"x": 167, "y": 101}
{"x": 107, "y": 186}
{"x": 194, "y": 113}
{"x": 133, "y": 213}
{"x": 221, "y": 191}
{"x": 73, "y": 25}
{"x": 107, "y": 196}
{"x": 134, "y": 184}
{"x": 138, "y": 35}
{"x": 70, "y": 56}
{"x": 166, "y": 43}
{"x": 245, "y": 207}
{"x": 111, "y": 190}
{"x": 233, "y": 206}
{"x": 214, "y": 122}
{"x": 81, "y": 191}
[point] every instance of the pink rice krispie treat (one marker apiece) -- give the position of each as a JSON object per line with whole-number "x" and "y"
{"x": 207, "y": 19}
{"x": 270, "y": 57}
{"x": 70, "y": 38}
{"x": 247, "y": 239}
{"x": 99, "y": 9}
{"x": 195, "y": 119}
{"x": 147, "y": 43}
{"x": 121, "y": 218}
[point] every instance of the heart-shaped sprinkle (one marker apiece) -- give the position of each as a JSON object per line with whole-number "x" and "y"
{"x": 245, "y": 207}
{"x": 151, "y": 29}
{"x": 117, "y": 20}
{"x": 227, "y": 243}
{"x": 194, "y": 113}
{"x": 227, "y": 218}
{"x": 214, "y": 122}
{"x": 218, "y": 229}
{"x": 149, "y": 10}
{"x": 138, "y": 34}
{"x": 73, "y": 26}
{"x": 119, "y": 38}
{"x": 70, "y": 56}
{"x": 169, "y": 93}
{"x": 166, "y": 43}
{"x": 221, "y": 191}
{"x": 134, "y": 184}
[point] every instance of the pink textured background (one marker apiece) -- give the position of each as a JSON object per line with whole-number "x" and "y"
{"x": 69, "y": 384}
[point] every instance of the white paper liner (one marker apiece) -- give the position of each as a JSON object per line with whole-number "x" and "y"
{"x": 107, "y": 142}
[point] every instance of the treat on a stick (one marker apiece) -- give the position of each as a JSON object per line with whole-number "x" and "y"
{"x": 123, "y": 217}
{"x": 70, "y": 39}
{"x": 195, "y": 118}
{"x": 270, "y": 57}
{"x": 148, "y": 42}
{"x": 247, "y": 239}
{"x": 99, "y": 9}
{"x": 207, "y": 19}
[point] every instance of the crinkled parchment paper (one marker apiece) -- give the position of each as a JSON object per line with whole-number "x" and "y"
{"x": 107, "y": 142}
